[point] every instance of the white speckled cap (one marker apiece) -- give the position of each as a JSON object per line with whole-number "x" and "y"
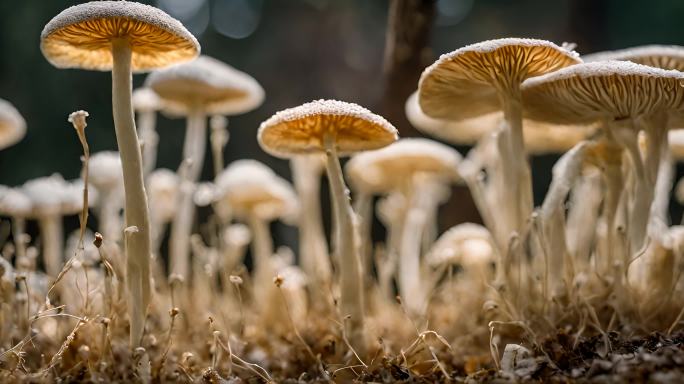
{"x": 80, "y": 36}
{"x": 395, "y": 165}
{"x": 302, "y": 129}
{"x": 12, "y": 125}
{"x": 465, "y": 244}
{"x": 469, "y": 81}
{"x": 105, "y": 171}
{"x": 602, "y": 91}
{"x": 540, "y": 138}
{"x": 213, "y": 85}
{"x": 14, "y": 202}
{"x": 676, "y": 142}
{"x": 659, "y": 56}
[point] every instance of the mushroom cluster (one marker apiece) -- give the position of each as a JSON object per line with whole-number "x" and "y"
{"x": 218, "y": 298}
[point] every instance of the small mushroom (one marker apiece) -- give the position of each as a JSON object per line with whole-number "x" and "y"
{"x": 333, "y": 127}
{"x": 122, "y": 37}
{"x": 12, "y": 125}
{"x": 195, "y": 89}
{"x": 15, "y": 204}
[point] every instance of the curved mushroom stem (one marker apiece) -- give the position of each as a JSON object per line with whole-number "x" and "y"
{"x": 138, "y": 244}
{"x": 193, "y": 153}
{"x": 351, "y": 284}
{"x": 147, "y": 121}
{"x": 262, "y": 252}
{"x": 52, "y": 234}
{"x": 521, "y": 179}
{"x": 313, "y": 248}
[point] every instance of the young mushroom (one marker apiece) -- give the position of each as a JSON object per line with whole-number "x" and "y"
{"x": 195, "y": 89}
{"x": 483, "y": 78}
{"x": 12, "y": 125}
{"x": 333, "y": 127}
{"x": 122, "y": 37}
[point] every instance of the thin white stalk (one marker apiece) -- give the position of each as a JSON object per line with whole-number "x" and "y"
{"x": 219, "y": 138}
{"x": 363, "y": 206}
{"x": 262, "y": 252}
{"x": 351, "y": 283}
{"x": 193, "y": 157}
{"x": 52, "y": 235}
{"x": 19, "y": 234}
{"x": 522, "y": 180}
{"x": 585, "y": 202}
{"x": 147, "y": 121}
{"x": 138, "y": 244}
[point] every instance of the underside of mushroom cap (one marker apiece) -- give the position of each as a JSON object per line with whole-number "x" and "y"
{"x": 215, "y": 86}
{"x": 467, "y": 82}
{"x": 12, "y": 125}
{"x": 659, "y": 56}
{"x": 80, "y": 36}
{"x": 602, "y": 91}
{"x": 395, "y": 165}
{"x": 540, "y": 138}
{"x": 302, "y": 129}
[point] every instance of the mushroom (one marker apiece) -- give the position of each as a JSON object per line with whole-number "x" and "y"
{"x": 146, "y": 103}
{"x": 195, "y": 89}
{"x": 257, "y": 196}
{"x": 106, "y": 175}
{"x": 12, "y": 125}
{"x": 616, "y": 94}
{"x": 333, "y": 127}
{"x": 14, "y": 203}
{"x": 420, "y": 170}
{"x": 483, "y": 78}
{"x": 122, "y": 37}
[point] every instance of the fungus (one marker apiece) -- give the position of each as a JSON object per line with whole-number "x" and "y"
{"x": 483, "y": 78}
{"x": 146, "y": 103}
{"x": 12, "y": 125}
{"x": 15, "y": 204}
{"x": 195, "y": 89}
{"x": 333, "y": 127}
{"x": 122, "y": 37}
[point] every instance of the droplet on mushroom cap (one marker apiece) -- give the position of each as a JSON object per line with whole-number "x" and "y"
{"x": 659, "y": 56}
{"x": 602, "y": 90}
{"x": 395, "y": 165}
{"x": 466, "y": 83}
{"x": 80, "y": 36}
{"x": 12, "y": 125}
{"x": 211, "y": 84}
{"x": 301, "y": 129}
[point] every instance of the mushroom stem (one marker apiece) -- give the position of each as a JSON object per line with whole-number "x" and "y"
{"x": 52, "y": 234}
{"x": 108, "y": 214}
{"x": 363, "y": 206}
{"x": 262, "y": 251}
{"x": 521, "y": 179}
{"x": 138, "y": 244}
{"x": 147, "y": 120}
{"x": 18, "y": 234}
{"x": 193, "y": 153}
{"x": 351, "y": 284}
{"x": 585, "y": 201}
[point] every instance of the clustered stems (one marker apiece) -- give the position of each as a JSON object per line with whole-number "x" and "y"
{"x": 136, "y": 211}
{"x": 193, "y": 157}
{"x": 350, "y": 280}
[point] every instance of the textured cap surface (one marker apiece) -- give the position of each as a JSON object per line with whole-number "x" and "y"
{"x": 80, "y": 36}
{"x": 659, "y": 56}
{"x": 12, "y": 125}
{"x": 395, "y": 165}
{"x": 302, "y": 129}
{"x": 216, "y": 86}
{"x": 468, "y": 82}
{"x": 602, "y": 90}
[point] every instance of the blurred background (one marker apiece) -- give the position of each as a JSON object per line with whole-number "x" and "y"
{"x": 301, "y": 50}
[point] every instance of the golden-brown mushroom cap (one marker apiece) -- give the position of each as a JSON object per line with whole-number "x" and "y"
{"x": 302, "y": 129}
{"x": 12, "y": 125}
{"x": 659, "y": 56}
{"x": 602, "y": 91}
{"x": 540, "y": 138}
{"x": 209, "y": 83}
{"x": 395, "y": 165}
{"x": 470, "y": 81}
{"x": 80, "y": 36}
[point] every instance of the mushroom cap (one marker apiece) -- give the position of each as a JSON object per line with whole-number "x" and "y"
{"x": 15, "y": 203}
{"x": 163, "y": 187}
{"x": 659, "y": 56}
{"x": 395, "y": 166}
{"x": 250, "y": 187}
{"x": 12, "y": 125}
{"x": 302, "y": 129}
{"x": 469, "y": 81}
{"x": 52, "y": 195}
{"x": 80, "y": 36}
{"x": 540, "y": 138}
{"x": 215, "y": 86}
{"x": 602, "y": 91}
{"x": 466, "y": 244}
{"x": 105, "y": 171}
{"x": 146, "y": 100}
